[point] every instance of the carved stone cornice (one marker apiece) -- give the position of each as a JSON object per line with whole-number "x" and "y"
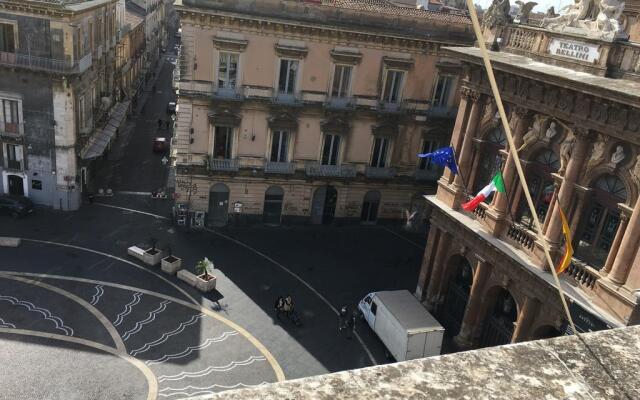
{"x": 283, "y": 120}
{"x": 345, "y": 57}
{"x": 230, "y": 44}
{"x": 291, "y": 51}
{"x": 387, "y": 126}
{"x": 225, "y": 117}
{"x": 398, "y": 63}
{"x": 336, "y": 124}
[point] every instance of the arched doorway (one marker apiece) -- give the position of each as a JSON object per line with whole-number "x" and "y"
{"x": 540, "y": 186}
{"x": 272, "y": 212}
{"x": 218, "y": 205}
{"x": 545, "y": 332}
{"x": 457, "y": 296}
{"x": 500, "y": 321}
{"x": 370, "y": 205}
{"x": 602, "y": 219}
{"x": 490, "y": 159}
{"x": 16, "y": 184}
{"x": 323, "y": 206}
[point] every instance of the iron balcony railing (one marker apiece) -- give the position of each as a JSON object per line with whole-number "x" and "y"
{"x": 379, "y": 172}
{"x": 287, "y": 99}
{"x": 272, "y": 167}
{"x": 389, "y": 107}
{"x": 227, "y": 165}
{"x": 46, "y": 64}
{"x": 340, "y": 171}
{"x": 428, "y": 174}
{"x": 442, "y": 112}
{"x": 227, "y": 92}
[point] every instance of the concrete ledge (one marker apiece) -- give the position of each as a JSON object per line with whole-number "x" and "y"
{"x": 136, "y": 252}
{"x": 9, "y": 241}
{"x": 597, "y": 366}
{"x": 188, "y": 277}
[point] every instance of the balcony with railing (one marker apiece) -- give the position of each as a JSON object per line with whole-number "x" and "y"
{"x": 582, "y": 274}
{"x": 12, "y": 129}
{"x": 442, "y": 112}
{"x": 338, "y": 171}
{"x": 46, "y": 64}
{"x": 272, "y": 167}
{"x": 340, "y": 103}
{"x": 388, "y": 107}
{"x": 379, "y": 172}
{"x": 521, "y": 236}
{"x": 227, "y": 92}
{"x": 223, "y": 165}
{"x": 428, "y": 174}
{"x": 287, "y": 99}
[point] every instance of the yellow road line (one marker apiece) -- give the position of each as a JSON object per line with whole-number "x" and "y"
{"x": 152, "y": 382}
{"x": 255, "y": 342}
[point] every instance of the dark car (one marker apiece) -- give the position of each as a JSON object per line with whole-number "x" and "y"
{"x": 160, "y": 145}
{"x": 16, "y": 206}
{"x": 171, "y": 108}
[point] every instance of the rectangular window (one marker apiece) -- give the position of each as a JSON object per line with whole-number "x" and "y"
{"x": 441, "y": 93}
{"x": 279, "y": 146}
{"x": 341, "y": 81}
{"x": 14, "y": 156}
{"x": 330, "y": 150}
{"x": 222, "y": 140}
{"x": 379, "y": 157}
{"x": 427, "y": 147}
{"x": 392, "y": 86}
{"x": 36, "y": 184}
{"x": 287, "y": 78}
{"x": 228, "y": 70}
{"x": 10, "y": 115}
{"x": 7, "y": 38}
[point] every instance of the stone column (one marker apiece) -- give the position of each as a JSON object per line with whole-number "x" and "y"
{"x": 427, "y": 262}
{"x": 519, "y": 126}
{"x": 557, "y": 180}
{"x": 465, "y": 338}
{"x": 615, "y": 245}
{"x": 464, "y": 153}
{"x": 584, "y": 195}
{"x": 438, "y": 268}
{"x": 477, "y": 145}
{"x": 526, "y": 317}
{"x": 573, "y": 169}
{"x": 459, "y": 127}
{"x": 628, "y": 248}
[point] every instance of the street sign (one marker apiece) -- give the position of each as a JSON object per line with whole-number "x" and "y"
{"x": 164, "y": 160}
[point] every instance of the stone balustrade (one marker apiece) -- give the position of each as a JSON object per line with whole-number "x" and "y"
{"x": 582, "y": 273}
{"x": 521, "y": 236}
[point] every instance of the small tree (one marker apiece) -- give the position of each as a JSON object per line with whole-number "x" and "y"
{"x": 202, "y": 268}
{"x": 153, "y": 242}
{"x": 169, "y": 251}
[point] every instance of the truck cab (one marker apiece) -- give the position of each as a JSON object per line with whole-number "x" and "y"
{"x": 368, "y": 308}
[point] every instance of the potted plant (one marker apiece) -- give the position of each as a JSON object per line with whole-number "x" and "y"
{"x": 152, "y": 256}
{"x": 170, "y": 264}
{"x": 206, "y": 282}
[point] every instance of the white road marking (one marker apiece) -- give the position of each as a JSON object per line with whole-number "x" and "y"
{"x": 5, "y": 324}
{"x": 152, "y": 316}
{"x": 131, "y": 193}
{"x": 58, "y": 322}
{"x": 96, "y": 297}
{"x": 210, "y": 369}
{"x": 191, "y": 349}
{"x": 127, "y": 309}
{"x": 165, "y": 336}
{"x": 204, "y": 390}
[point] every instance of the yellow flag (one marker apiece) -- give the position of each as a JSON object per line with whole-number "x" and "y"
{"x": 568, "y": 252}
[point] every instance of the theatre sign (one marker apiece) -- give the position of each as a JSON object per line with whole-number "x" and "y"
{"x": 574, "y": 50}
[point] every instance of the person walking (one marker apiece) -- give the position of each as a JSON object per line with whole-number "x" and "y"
{"x": 279, "y": 306}
{"x": 342, "y": 318}
{"x": 351, "y": 329}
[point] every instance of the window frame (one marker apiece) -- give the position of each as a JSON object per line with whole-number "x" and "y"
{"x": 287, "y": 153}
{"x": 382, "y": 160}
{"x": 18, "y": 150}
{"x": 238, "y": 66}
{"x": 298, "y": 73}
{"x": 14, "y": 25}
{"x": 347, "y": 91}
{"x": 338, "y": 154}
{"x": 387, "y": 71}
{"x": 444, "y": 102}
{"x": 231, "y": 141}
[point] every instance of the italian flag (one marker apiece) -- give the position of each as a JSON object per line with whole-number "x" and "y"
{"x": 496, "y": 184}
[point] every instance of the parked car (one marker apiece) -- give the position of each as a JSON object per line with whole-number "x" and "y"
{"x": 171, "y": 107}
{"x": 160, "y": 145}
{"x": 16, "y": 206}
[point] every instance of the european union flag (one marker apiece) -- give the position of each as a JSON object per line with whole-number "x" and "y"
{"x": 443, "y": 157}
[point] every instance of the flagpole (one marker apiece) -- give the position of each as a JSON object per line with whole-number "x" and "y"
{"x": 464, "y": 181}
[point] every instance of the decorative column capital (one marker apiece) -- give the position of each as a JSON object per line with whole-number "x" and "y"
{"x": 582, "y": 134}
{"x": 469, "y": 94}
{"x": 521, "y": 112}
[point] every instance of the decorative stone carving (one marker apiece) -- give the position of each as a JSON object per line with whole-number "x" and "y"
{"x": 523, "y": 88}
{"x": 635, "y": 171}
{"x": 535, "y": 92}
{"x": 634, "y": 120}
{"x": 524, "y": 11}
{"x": 552, "y": 131}
{"x": 618, "y": 116}
{"x": 618, "y": 155}
{"x": 533, "y": 135}
{"x": 579, "y": 18}
{"x": 599, "y": 111}
{"x": 497, "y": 14}
{"x": 565, "y": 103}
{"x": 551, "y": 12}
{"x": 551, "y": 97}
{"x": 582, "y": 106}
{"x": 566, "y": 148}
{"x": 597, "y": 154}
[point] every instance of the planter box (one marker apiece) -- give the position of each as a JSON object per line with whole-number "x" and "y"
{"x": 136, "y": 252}
{"x": 205, "y": 286}
{"x": 171, "y": 264}
{"x": 152, "y": 257}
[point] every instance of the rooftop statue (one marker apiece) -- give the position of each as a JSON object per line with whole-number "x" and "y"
{"x": 497, "y": 14}
{"x": 593, "y": 18}
{"x": 524, "y": 11}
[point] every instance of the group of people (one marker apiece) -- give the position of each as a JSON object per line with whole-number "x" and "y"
{"x": 347, "y": 322}
{"x": 284, "y": 305}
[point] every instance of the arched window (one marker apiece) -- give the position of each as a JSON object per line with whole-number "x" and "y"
{"x": 601, "y": 221}
{"x": 490, "y": 159}
{"x": 540, "y": 186}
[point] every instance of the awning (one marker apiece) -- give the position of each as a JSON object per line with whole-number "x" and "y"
{"x": 101, "y": 138}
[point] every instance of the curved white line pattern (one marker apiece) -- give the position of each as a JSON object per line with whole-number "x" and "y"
{"x": 165, "y": 336}
{"x": 96, "y": 297}
{"x": 210, "y": 369}
{"x": 127, "y": 309}
{"x": 205, "y": 390}
{"x": 5, "y": 324}
{"x": 45, "y": 313}
{"x": 152, "y": 316}
{"x": 191, "y": 349}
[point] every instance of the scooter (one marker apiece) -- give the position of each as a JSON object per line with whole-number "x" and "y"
{"x": 159, "y": 194}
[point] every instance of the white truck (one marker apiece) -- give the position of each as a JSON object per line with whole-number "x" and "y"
{"x": 403, "y": 324}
